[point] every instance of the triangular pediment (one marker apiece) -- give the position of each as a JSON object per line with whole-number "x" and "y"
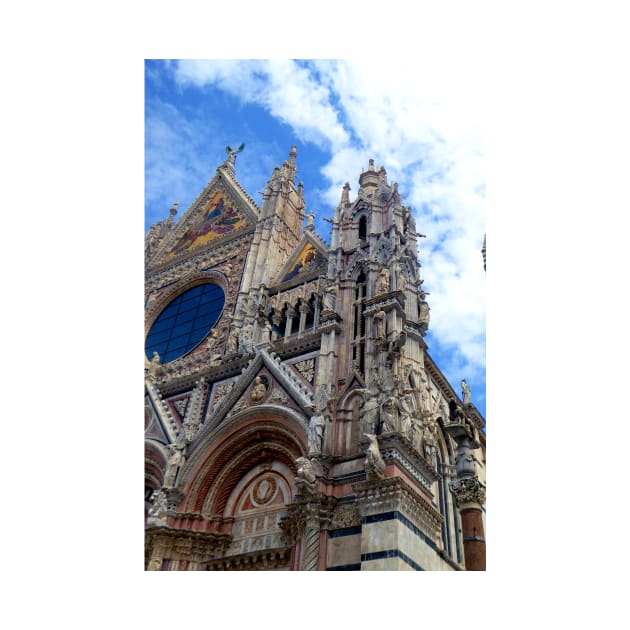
{"x": 220, "y": 213}
{"x": 355, "y": 382}
{"x": 153, "y": 427}
{"x": 310, "y": 258}
{"x": 265, "y": 381}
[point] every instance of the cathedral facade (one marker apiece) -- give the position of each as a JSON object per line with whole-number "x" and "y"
{"x": 294, "y": 419}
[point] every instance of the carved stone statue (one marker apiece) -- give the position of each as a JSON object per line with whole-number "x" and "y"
{"x": 374, "y": 464}
{"x": 428, "y": 439}
{"x": 267, "y": 330}
{"x": 369, "y": 411}
{"x": 382, "y": 282}
{"x": 212, "y": 340}
{"x": 232, "y": 342}
{"x": 406, "y": 410}
{"x": 245, "y": 344}
{"x": 329, "y": 299}
{"x": 316, "y": 427}
{"x": 260, "y": 303}
{"x": 174, "y": 463}
{"x": 399, "y": 274}
{"x": 155, "y": 369}
{"x": 259, "y": 391}
{"x": 389, "y": 414}
{"x": 157, "y": 511}
{"x": 424, "y": 315}
{"x": 232, "y": 153}
{"x": 380, "y": 325}
{"x": 305, "y": 470}
{"x": 465, "y": 392}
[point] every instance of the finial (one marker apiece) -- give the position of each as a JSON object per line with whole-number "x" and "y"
{"x": 371, "y": 167}
{"x": 291, "y": 168}
{"x": 310, "y": 222}
{"x": 301, "y": 191}
{"x": 345, "y": 194}
{"x": 173, "y": 210}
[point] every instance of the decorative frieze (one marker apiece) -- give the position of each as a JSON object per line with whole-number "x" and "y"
{"x": 345, "y": 515}
{"x": 260, "y": 561}
{"x": 175, "y": 544}
{"x": 393, "y": 494}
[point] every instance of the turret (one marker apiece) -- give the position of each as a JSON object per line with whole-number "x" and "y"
{"x": 279, "y": 228}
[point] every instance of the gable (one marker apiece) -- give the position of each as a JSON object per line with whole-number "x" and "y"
{"x": 221, "y": 212}
{"x": 217, "y": 217}
{"x": 308, "y": 257}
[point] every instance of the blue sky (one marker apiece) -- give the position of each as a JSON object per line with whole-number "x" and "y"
{"x": 428, "y": 134}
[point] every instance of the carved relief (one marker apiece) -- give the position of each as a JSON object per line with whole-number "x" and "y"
{"x": 222, "y": 391}
{"x": 278, "y": 394}
{"x": 157, "y": 511}
{"x": 260, "y": 388}
{"x": 469, "y": 490}
{"x": 374, "y": 464}
{"x": 346, "y": 516}
{"x": 306, "y": 368}
{"x": 239, "y": 406}
{"x": 264, "y": 490}
{"x": 181, "y": 406}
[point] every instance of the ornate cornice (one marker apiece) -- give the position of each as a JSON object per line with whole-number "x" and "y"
{"x": 211, "y": 373}
{"x": 177, "y": 544}
{"x": 386, "y": 302}
{"x": 266, "y": 560}
{"x": 393, "y": 494}
{"x": 294, "y": 345}
{"x": 394, "y": 447}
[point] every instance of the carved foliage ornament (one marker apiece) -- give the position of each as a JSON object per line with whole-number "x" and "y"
{"x": 306, "y": 368}
{"x": 222, "y": 391}
{"x": 468, "y": 490}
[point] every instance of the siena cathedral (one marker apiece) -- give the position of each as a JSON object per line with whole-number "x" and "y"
{"x": 294, "y": 419}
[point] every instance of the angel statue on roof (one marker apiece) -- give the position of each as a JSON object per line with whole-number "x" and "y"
{"x": 232, "y": 153}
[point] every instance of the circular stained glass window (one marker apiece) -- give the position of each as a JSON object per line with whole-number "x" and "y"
{"x": 185, "y": 322}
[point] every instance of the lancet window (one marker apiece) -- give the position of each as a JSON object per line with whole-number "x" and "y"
{"x": 358, "y": 326}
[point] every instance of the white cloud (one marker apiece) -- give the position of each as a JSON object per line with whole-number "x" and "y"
{"x": 285, "y": 88}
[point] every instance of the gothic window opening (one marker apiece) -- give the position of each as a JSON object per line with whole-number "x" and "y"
{"x": 358, "y": 329}
{"x": 280, "y": 322}
{"x": 310, "y": 315}
{"x": 363, "y": 228}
